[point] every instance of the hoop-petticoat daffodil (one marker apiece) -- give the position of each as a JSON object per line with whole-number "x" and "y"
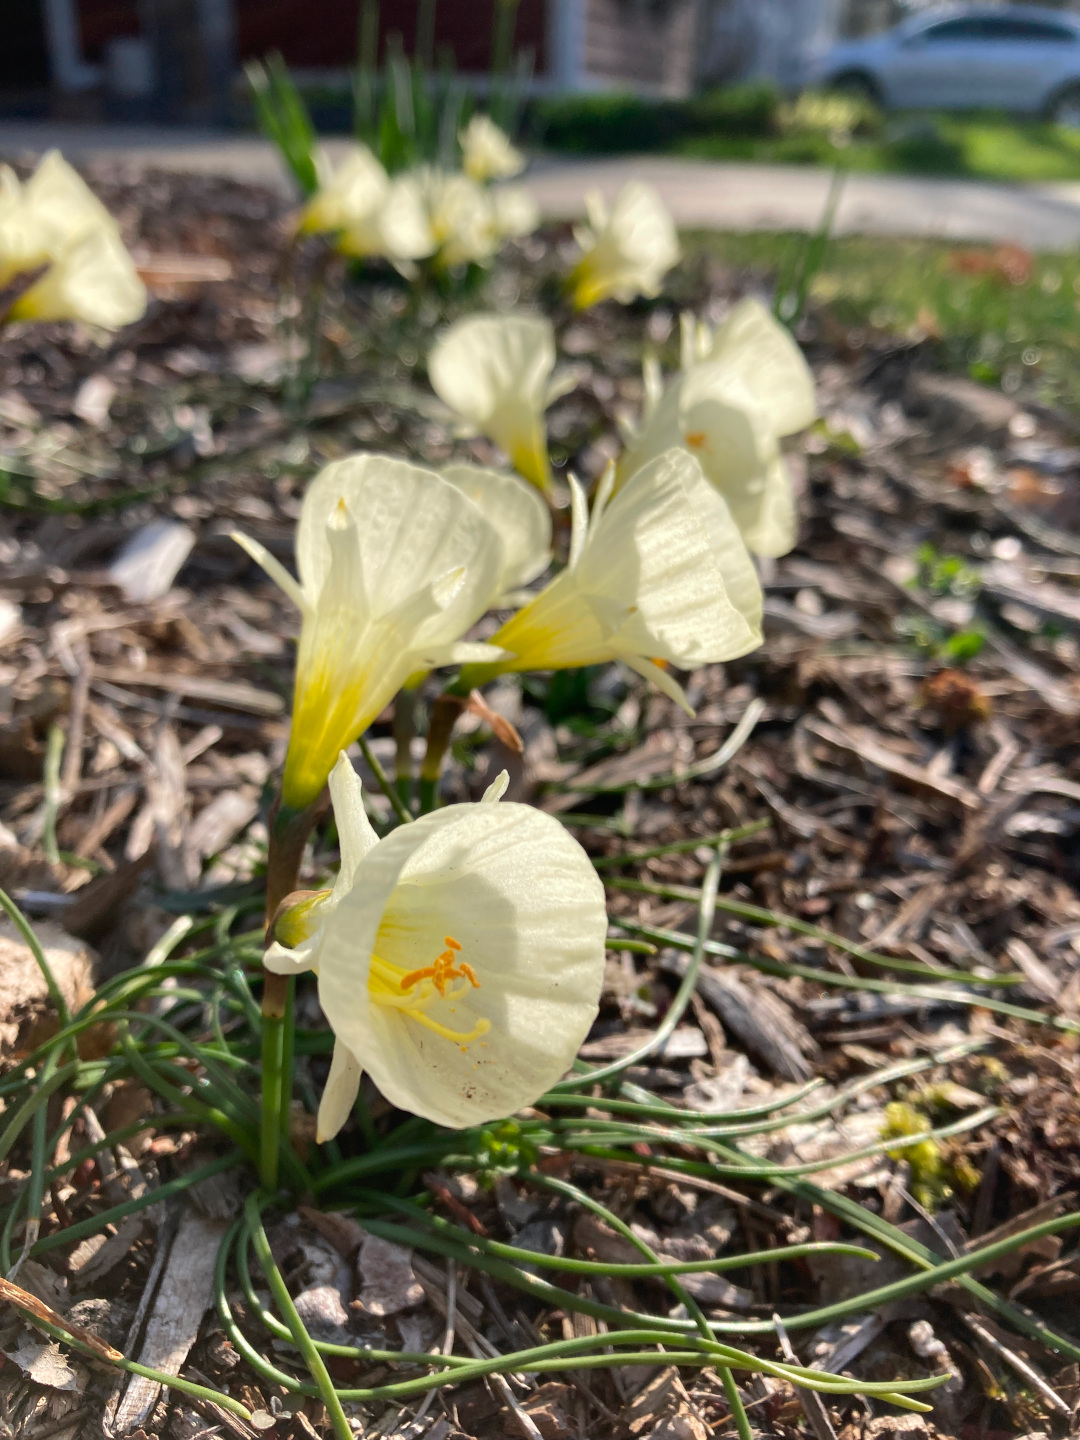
{"x": 628, "y": 252}
{"x": 460, "y": 959}
{"x": 487, "y": 153}
{"x": 395, "y": 565}
{"x": 519, "y": 515}
{"x": 468, "y": 221}
{"x": 657, "y": 573}
{"x": 55, "y": 221}
{"x": 495, "y": 372}
{"x": 369, "y": 213}
{"x": 740, "y": 391}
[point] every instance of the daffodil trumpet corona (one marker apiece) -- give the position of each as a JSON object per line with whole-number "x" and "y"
{"x": 741, "y": 389}
{"x": 395, "y": 564}
{"x": 657, "y": 573}
{"x": 495, "y": 373}
{"x": 459, "y": 959}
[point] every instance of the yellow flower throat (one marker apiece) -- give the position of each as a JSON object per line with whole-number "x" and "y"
{"x": 412, "y": 991}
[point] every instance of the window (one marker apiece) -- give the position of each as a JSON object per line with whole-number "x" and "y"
{"x": 1002, "y": 29}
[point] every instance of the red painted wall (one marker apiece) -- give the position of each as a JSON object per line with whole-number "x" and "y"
{"x": 322, "y": 33}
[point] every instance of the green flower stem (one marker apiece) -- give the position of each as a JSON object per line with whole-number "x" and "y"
{"x": 682, "y": 847}
{"x": 301, "y": 1338}
{"x": 934, "y": 1272}
{"x": 716, "y": 761}
{"x": 678, "y": 940}
{"x": 647, "y": 1270}
{"x": 289, "y": 831}
{"x": 445, "y": 714}
{"x": 662, "y": 1110}
{"x": 734, "y": 1399}
{"x": 706, "y": 909}
{"x": 556, "y": 1356}
{"x": 760, "y": 916}
{"x": 383, "y": 781}
{"x": 115, "y": 1213}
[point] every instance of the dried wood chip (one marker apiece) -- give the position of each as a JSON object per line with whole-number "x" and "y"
{"x": 388, "y": 1282}
{"x": 24, "y": 995}
{"x": 184, "y": 1295}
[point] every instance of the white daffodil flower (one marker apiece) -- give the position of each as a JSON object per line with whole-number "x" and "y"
{"x": 740, "y": 391}
{"x": 95, "y": 281}
{"x": 487, "y": 153}
{"x": 41, "y": 219}
{"x": 56, "y": 221}
{"x": 495, "y": 372}
{"x": 519, "y": 514}
{"x": 659, "y": 572}
{"x": 460, "y": 216}
{"x": 370, "y": 213}
{"x": 515, "y": 213}
{"x": 395, "y": 565}
{"x": 628, "y": 252}
{"x": 460, "y": 959}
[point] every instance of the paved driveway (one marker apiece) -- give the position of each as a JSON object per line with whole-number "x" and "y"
{"x": 703, "y": 194}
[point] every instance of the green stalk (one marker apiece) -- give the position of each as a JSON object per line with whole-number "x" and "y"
{"x": 53, "y": 793}
{"x": 681, "y": 847}
{"x": 404, "y": 730}
{"x": 760, "y": 916}
{"x": 445, "y": 713}
{"x": 383, "y": 781}
{"x": 312, "y": 1359}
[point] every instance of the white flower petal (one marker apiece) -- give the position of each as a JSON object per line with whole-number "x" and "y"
{"x": 273, "y": 567}
{"x": 285, "y": 961}
{"x": 94, "y": 280}
{"x": 395, "y": 565}
{"x": 517, "y": 512}
{"x": 356, "y": 834}
{"x": 770, "y": 363}
{"x": 579, "y": 521}
{"x": 663, "y": 575}
{"x": 339, "y": 1096}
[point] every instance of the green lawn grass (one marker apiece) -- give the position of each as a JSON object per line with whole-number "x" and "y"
{"x": 1020, "y": 333}
{"x": 978, "y": 147}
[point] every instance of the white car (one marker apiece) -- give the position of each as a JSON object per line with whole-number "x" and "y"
{"x": 1006, "y": 57}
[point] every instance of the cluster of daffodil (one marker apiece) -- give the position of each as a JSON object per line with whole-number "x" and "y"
{"x": 454, "y": 217}
{"x": 58, "y": 238}
{"x": 460, "y": 959}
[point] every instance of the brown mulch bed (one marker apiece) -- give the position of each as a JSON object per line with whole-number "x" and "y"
{"x": 922, "y": 788}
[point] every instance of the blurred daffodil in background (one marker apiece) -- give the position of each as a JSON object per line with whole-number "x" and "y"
{"x": 460, "y": 959}
{"x": 369, "y": 213}
{"x": 487, "y": 153}
{"x": 469, "y": 222}
{"x": 56, "y": 225}
{"x": 741, "y": 389}
{"x": 495, "y": 373}
{"x": 395, "y": 564}
{"x": 657, "y": 573}
{"x": 627, "y": 251}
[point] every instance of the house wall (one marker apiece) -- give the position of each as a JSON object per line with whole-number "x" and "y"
{"x": 641, "y": 44}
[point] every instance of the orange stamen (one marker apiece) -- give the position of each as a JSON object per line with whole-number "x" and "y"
{"x": 696, "y": 439}
{"x": 443, "y": 971}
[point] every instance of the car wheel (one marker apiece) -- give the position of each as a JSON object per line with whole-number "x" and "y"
{"x": 859, "y": 86}
{"x": 1064, "y": 109}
